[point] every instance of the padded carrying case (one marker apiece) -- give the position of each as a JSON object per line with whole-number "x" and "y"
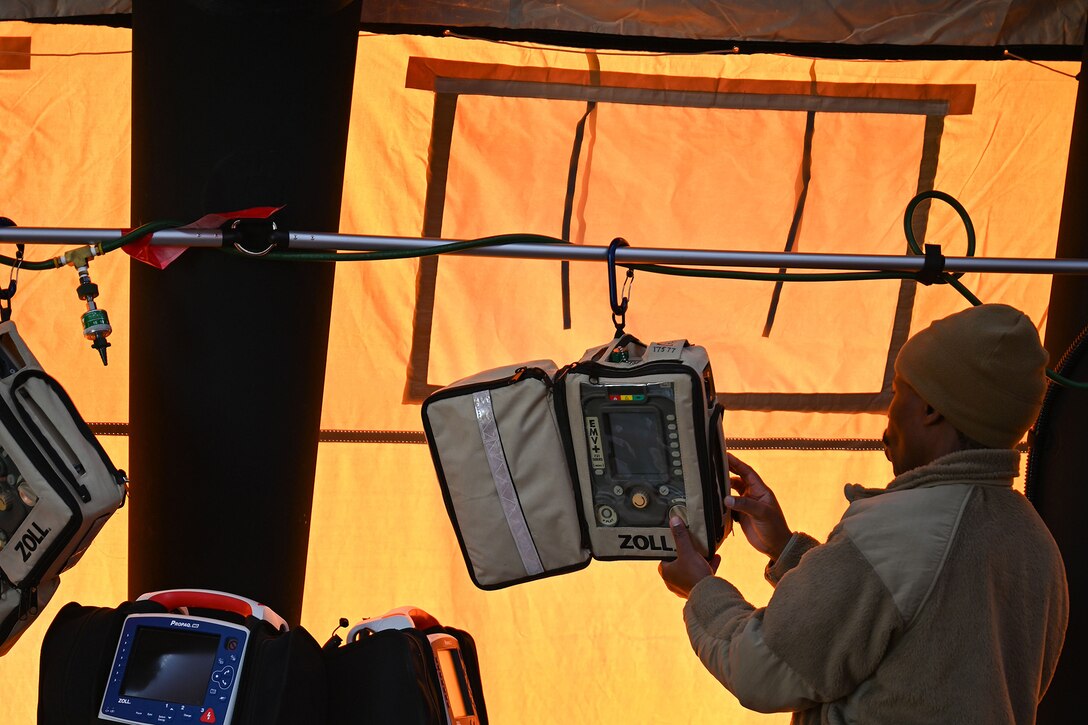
{"x": 282, "y": 681}
{"x": 390, "y": 677}
{"x": 514, "y": 460}
{"x": 500, "y": 459}
{"x": 57, "y": 486}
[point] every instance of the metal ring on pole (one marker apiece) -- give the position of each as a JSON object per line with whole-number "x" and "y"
{"x": 246, "y": 228}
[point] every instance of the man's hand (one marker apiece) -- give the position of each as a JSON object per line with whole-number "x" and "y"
{"x": 759, "y": 514}
{"x": 689, "y": 567}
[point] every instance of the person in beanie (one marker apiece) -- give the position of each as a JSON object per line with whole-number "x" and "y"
{"x": 940, "y": 598}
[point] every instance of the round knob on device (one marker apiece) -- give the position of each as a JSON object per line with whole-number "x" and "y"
{"x": 7, "y": 498}
{"x": 27, "y": 494}
{"x": 680, "y": 511}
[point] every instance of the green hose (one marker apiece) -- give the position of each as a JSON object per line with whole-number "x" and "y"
{"x": 493, "y": 241}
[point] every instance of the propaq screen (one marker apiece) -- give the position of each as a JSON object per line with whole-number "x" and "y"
{"x": 170, "y": 665}
{"x": 636, "y": 445}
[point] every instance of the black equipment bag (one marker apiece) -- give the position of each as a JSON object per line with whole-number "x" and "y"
{"x": 283, "y": 680}
{"x": 77, "y": 653}
{"x": 384, "y": 678}
{"x": 399, "y": 669}
{"x": 287, "y": 683}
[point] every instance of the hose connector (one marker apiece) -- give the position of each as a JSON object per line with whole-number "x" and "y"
{"x": 96, "y": 323}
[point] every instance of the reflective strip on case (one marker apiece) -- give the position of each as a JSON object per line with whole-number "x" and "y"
{"x": 500, "y": 473}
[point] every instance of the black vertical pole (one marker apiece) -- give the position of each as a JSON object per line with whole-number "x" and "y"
{"x": 1059, "y": 492}
{"x": 236, "y": 103}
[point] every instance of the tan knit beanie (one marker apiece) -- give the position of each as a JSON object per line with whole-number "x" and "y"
{"x": 983, "y": 369}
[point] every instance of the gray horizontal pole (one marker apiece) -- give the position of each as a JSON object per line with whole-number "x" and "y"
{"x": 699, "y": 257}
{"x": 77, "y": 237}
{"x": 314, "y": 241}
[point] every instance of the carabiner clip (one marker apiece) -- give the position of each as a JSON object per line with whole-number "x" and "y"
{"x": 8, "y": 293}
{"x": 618, "y": 304}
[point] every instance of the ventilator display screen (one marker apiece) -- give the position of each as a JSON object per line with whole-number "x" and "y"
{"x": 636, "y": 446}
{"x": 636, "y": 464}
{"x": 170, "y": 666}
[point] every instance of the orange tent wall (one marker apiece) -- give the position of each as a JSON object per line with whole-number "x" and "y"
{"x": 604, "y": 645}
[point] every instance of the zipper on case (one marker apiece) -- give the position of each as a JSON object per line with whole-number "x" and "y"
{"x": 66, "y": 449}
{"x": 7, "y": 624}
{"x": 28, "y": 603}
{"x": 804, "y": 444}
{"x": 26, "y": 404}
{"x": 566, "y": 439}
{"x": 77, "y": 420}
{"x": 122, "y": 482}
{"x": 53, "y": 442}
{"x": 1071, "y": 356}
{"x": 518, "y": 374}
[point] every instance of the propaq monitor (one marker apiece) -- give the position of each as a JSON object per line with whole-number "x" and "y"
{"x": 174, "y": 668}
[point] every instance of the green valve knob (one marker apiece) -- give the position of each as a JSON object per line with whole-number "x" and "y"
{"x": 96, "y": 321}
{"x": 96, "y": 327}
{"x": 618, "y": 354}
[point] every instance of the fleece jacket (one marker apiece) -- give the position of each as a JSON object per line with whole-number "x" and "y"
{"x": 939, "y": 599}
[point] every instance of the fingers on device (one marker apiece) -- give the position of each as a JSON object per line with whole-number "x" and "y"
{"x": 178, "y": 667}
{"x": 449, "y": 663}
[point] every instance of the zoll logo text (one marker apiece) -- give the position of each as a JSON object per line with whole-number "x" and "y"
{"x": 645, "y": 543}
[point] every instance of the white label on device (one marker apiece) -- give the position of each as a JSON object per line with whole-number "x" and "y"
{"x": 596, "y": 451}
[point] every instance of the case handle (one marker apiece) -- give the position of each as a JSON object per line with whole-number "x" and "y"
{"x": 421, "y": 619}
{"x": 407, "y": 617}
{"x": 622, "y": 339}
{"x": 174, "y": 599}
